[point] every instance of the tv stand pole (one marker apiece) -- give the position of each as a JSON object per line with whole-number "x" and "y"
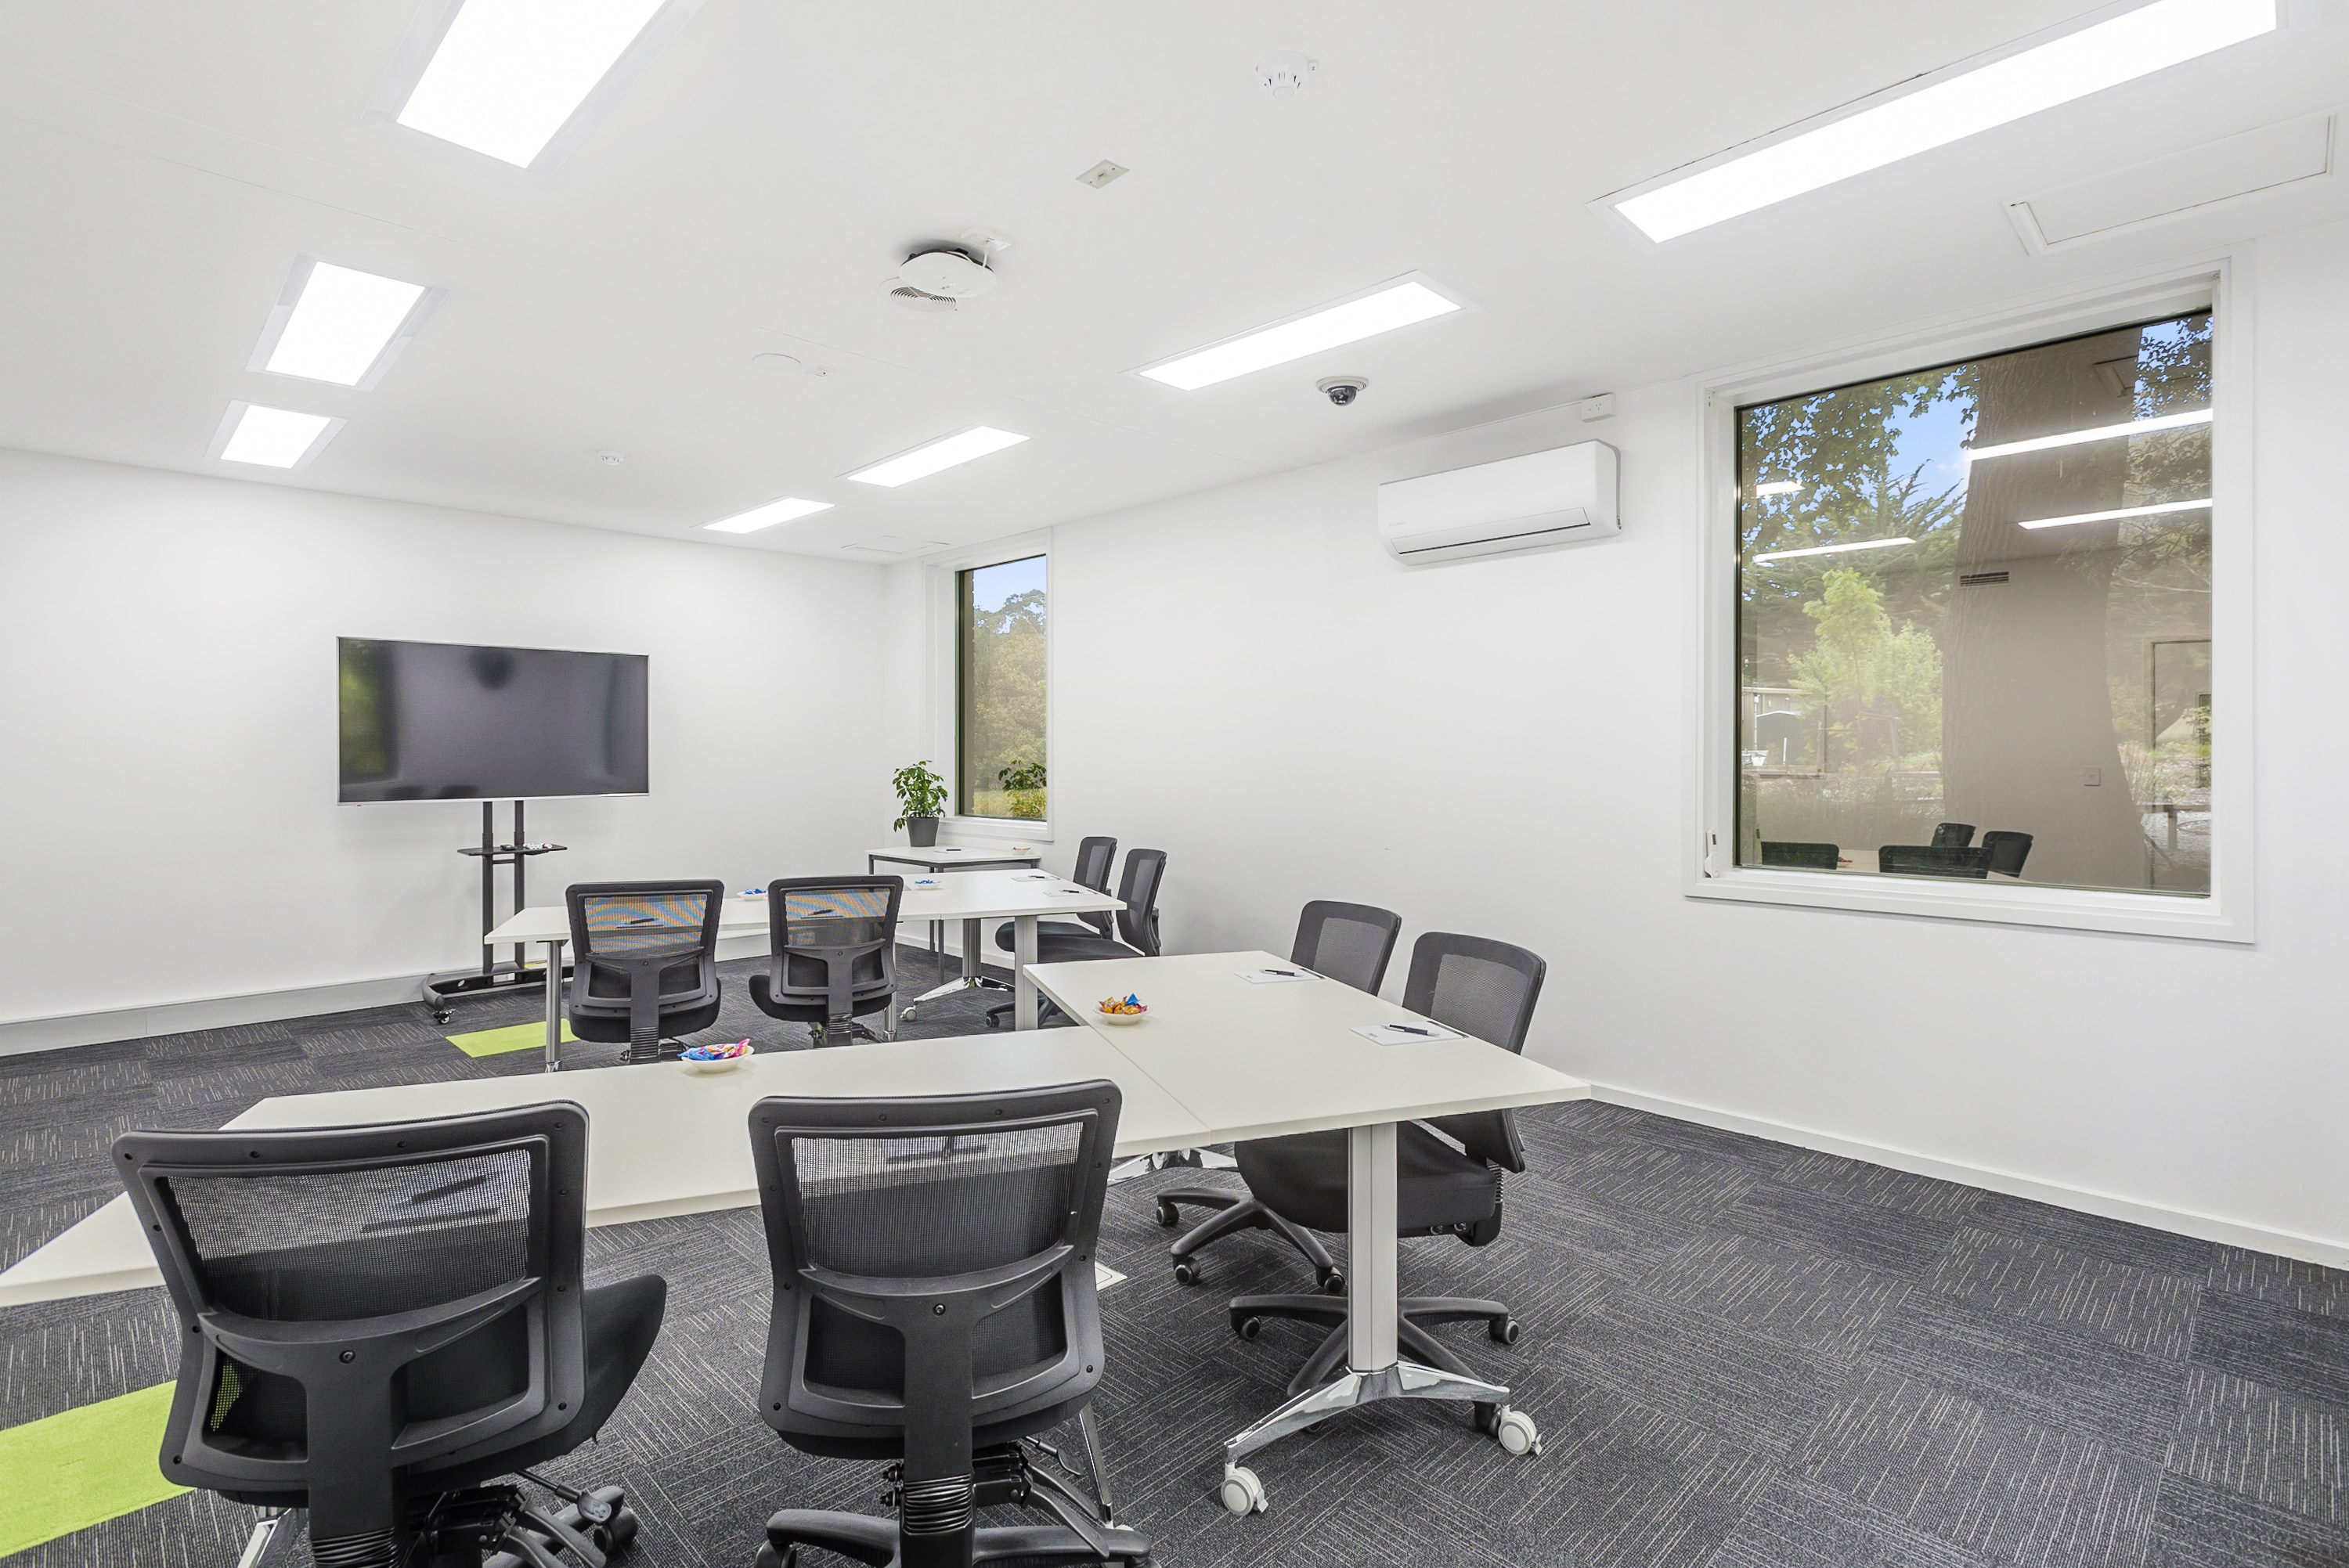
{"x": 495, "y": 977}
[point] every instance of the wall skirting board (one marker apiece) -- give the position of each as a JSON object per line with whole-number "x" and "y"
{"x": 2181, "y": 1221}
{"x": 18, "y": 1036}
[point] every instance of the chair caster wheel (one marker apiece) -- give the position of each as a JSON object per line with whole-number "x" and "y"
{"x": 1504, "y": 1330}
{"x": 442, "y": 1018}
{"x": 615, "y": 1532}
{"x": 1247, "y": 1327}
{"x": 1516, "y": 1432}
{"x": 1186, "y": 1272}
{"x": 1333, "y": 1283}
{"x": 1168, "y": 1215}
{"x": 906, "y": 1017}
{"x": 1241, "y": 1493}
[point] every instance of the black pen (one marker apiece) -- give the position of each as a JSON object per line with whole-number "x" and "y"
{"x": 1407, "y": 1029}
{"x": 1291, "y": 973}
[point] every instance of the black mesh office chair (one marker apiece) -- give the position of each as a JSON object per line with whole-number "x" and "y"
{"x": 934, "y": 1307}
{"x": 1806, "y": 856}
{"x": 833, "y": 955}
{"x": 1348, "y": 943}
{"x": 1952, "y": 835}
{"x": 2008, "y": 851}
{"x": 1933, "y": 860}
{"x": 1480, "y": 987}
{"x": 1094, "y": 858}
{"x": 644, "y": 962}
{"x": 378, "y": 1320}
{"x": 1137, "y": 926}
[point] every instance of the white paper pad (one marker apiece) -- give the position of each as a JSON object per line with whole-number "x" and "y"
{"x": 1405, "y": 1033}
{"x": 1275, "y": 977}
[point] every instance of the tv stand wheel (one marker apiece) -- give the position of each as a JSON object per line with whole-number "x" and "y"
{"x": 441, "y": 1015}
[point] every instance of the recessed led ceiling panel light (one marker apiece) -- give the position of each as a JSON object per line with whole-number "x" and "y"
{"x": 509, "y": 73}
{"x": 273, "y": 437}
{"x": 1829, "y": 550}
{"x": 1400, "y": 303}
{"x": 2109, "y": 516}
{"x": 333, "y": 324}
{"x": 2077, "y": 438}
{"x": 923, "y": 461}
{"x": 1950, "y": 106}
{"x": 787, "y": 510}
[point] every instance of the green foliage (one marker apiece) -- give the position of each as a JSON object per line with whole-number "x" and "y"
{"x": 1880, "y": 690}
{"x": 1003, "y": 709}
{"x": 920, "y": 792}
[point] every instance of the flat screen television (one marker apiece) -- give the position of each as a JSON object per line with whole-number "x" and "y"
{"x": 447, "y": 721}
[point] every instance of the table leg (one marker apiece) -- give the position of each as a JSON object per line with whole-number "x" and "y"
{"x": 554, "y": 1005}
{"x": 1373, "y": 1369}
{"x": 1023, "y": 984}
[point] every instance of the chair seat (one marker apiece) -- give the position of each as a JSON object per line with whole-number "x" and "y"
{"x": 763, "y": 997}
{"x": 610, "y": 1029}
{"x": 1006, "y": 935}
{"x": 1302, "y": 1177}
{"x": 984, "y": 1434}
{"x": 1057, "y": 949}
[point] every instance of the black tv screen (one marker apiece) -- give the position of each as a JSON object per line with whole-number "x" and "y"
{"x": 445, "y": 721}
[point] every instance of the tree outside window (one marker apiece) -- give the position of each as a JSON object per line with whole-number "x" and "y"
{"x": 1000, "y": 770}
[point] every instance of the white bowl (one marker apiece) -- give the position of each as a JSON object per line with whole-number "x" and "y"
{"x": 1121, "y": 1018}
{"x": 725, "y": 1065}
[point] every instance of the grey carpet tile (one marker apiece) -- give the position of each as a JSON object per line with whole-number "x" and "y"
{"x": 1647, "y": 1130}
{"x": 1605, "y": 1244}
{"x": 1826, "y": 1306}
{"x": 1857, "y": 1182}
{"x": 257, "y": 1057}
{"x": 26, "y": 1227}
{"x": 2093, "y": 1235}
{"x": 1865, "y": 1235}
{"x": 2311, "y": 1287}
{"x": 2135, "y": 1308}
{"x": 204, "y": 1043}
{"x": 1674, "y": 1184}
{"x": 43, "y": 1092}
{"x": 197, "y": 1531}
{"x": 1795, "y": 1524}
{"x": 1749, "y": 1388}
{"x": 2003, "y": 1487}
{"x": 59, "y": 1354}
{"x": 235, "y": 1089}
{"x": 2053, "y": 1377}
{"x": 2283, "y": 1449}
{"x": 2289, "y": 1350}
{"x": 374, "y": 1039}
{"x": 2198, "y": 1526}
{"x": 35, "y": 1064}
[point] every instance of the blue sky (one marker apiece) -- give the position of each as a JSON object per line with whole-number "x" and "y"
{"x": 991, "y": 586}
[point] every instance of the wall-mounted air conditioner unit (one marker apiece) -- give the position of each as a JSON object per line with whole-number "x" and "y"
{"x": 1562, "y": 496}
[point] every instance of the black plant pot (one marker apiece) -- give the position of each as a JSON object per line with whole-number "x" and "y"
{"x": 922, "y": 832}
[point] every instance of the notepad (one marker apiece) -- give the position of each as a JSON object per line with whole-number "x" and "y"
{"x": 1407, "y": 1034}
{"x": 1275, "y": 977}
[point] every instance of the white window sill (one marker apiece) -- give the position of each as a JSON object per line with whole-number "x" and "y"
{"x": 994, "y": 831}
{"x": 2013, "y": 903}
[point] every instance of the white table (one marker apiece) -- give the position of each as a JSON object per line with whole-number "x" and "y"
{"x": 662, "y": 1140}
{"x": 1258, "y": 1061}
{"x": 948, "y": 858}
{"x": 1019, "y": 896}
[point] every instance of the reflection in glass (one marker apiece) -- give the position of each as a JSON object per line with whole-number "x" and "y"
{"x": 1974, "y": 619}
{"x": 1001, "y": 767}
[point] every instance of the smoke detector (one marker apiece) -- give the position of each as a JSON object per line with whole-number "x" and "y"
{"x": 1284, "y": 71}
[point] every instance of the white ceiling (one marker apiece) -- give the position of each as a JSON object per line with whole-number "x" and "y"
{"x": 163, "y": 163}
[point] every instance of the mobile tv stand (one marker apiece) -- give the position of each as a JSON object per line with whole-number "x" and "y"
{"x": 494, "y": 978}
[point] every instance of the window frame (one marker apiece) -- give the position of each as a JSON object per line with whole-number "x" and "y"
{"x": 944, "y": 573}
{"x": 1709, "y": 869}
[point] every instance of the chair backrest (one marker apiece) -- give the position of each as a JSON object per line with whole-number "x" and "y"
{"x": 1137, "y": 889}
{"x": 640, "y": 949}
{"x": 1952, "y": 835}
{"x": 832, "y": 941}
{"x": 1349, "y": 943}
{"x": 1483, "y": 988}
{"x": 1095, "y": 857}
{"x": 933, "y": 1264}
{"x": 1809, "y": 857}
{"x": 359, "y": 1300}
{"x": 1933, "y": 860}
{"x": 2008, "y": 851}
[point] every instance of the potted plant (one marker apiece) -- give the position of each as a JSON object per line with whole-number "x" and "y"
{"x": 921, "y": 794}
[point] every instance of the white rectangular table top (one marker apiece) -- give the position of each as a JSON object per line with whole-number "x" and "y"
{"x": 1004, "y": 894}
{"x": 661, "y": 1140}
{"x": 1256, "y": 1061}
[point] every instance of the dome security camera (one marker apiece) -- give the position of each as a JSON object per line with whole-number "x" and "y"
{"x": 1341, "y": 390}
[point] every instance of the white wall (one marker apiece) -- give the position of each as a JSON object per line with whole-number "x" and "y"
{"x": 1502, "y": 746}
{"x": 168, "y": 825}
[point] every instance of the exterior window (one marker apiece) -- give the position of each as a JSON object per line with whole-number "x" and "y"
{"x": 999, "y": 709}
{"x": 1974, "y": 619}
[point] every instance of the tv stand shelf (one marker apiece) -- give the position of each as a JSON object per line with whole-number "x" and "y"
{"x": 495, "y": 977}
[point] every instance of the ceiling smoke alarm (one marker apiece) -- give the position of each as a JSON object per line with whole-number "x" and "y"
{"x": 946, "y": 272}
